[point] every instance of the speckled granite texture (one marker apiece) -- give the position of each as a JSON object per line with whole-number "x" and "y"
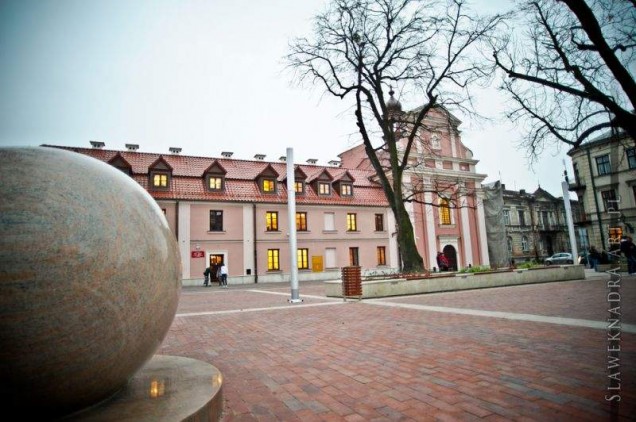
{"x": 89, "y": 280}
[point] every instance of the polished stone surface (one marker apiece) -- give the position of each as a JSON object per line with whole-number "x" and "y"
{"x": 89, "y": 280}
{"x": 166, "y": 389}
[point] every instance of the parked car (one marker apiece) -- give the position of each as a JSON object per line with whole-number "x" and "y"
{"x": 560, "y": 258}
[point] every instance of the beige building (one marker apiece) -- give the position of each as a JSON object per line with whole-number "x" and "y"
{"x": 605, "y": 182}
{"x": 533, "y": 224}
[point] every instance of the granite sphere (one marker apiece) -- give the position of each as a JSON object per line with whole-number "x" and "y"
{"x": 90, "y": 277}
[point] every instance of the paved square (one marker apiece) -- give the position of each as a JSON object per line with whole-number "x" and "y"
{"x": 534, "y": 352}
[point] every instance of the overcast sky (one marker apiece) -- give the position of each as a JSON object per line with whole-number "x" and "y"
{"x": 203, "y": 75}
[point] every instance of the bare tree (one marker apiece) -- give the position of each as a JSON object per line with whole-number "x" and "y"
{"x": 570, "y": 74}
{"x": 426, "y": 49}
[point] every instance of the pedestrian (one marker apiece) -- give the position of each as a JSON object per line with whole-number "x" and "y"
{"x": 628, "y": 249}
{"x": 442, "y": 261}
{"x": 206, "y": 277}
{"x": 223, "y": 275}
{"x": 594, "y": 258}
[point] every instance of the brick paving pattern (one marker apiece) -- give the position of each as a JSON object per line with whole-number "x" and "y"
{"x": 330, "y": 360}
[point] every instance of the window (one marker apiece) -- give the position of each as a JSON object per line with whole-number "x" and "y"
{"x": 216, "y": 221}
{"x": 381, "y": 252}
{"x": 301, "y": 221}
{"x": 545, "y": 220}
{"x": 509, "y": 244}
{"x": 269, "y": 185}
{"x": 324, "y": 188}
{"x": 346, "y": 189}
{"x": 353, "y": 257}
{"x": 379, "y": 222}
{"x": 330, "y": 258}
{"x": 609, "y": 200}
{"x": 215, "y": 183}
{"x": 352, "y": 224}
{"x": 303, "y": 259}
{"x": 299, "y": 187}
{"x": 506, "y": 217}
{"x": 603, "y": 165}
{"x": 160, "y": 180}
{"x": 163, "y": 210}
{"x": 330, "y": 222}
{"x": 271, "y": 221}
{"x": 631, "y": 157}
{"x": 577, "y": 180}
{"x": 524, "y": 244}
{"x": 444, "y": 211}
{"x": 522, "y": 218}
{"x": 273, "y": 259}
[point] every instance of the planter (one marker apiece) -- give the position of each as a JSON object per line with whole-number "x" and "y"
{"x": 460, "y": 281}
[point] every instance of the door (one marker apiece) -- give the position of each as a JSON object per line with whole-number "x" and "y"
{"x": 215, "y": 263}
{"x": 451, "y": 255}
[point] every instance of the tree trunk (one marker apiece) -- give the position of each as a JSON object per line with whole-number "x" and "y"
{"x": 412, "y": 262}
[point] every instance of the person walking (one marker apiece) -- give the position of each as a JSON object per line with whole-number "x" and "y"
{"x": 594, "y": 257}
{"x": 223, "y": 275}
{"x": 442, "y": 261}
{"x": 629, "y": 250}
{"x": 206, "y": 277}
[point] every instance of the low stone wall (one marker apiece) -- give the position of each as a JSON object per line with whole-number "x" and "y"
{"x": 269, "y": 278}
{"x": 460, "y": 281}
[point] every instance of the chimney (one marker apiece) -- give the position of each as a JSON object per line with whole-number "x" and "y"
{"x": 175, "y": 150}
{"x": 503, "y": 187}
{"x": 312, "y": 161}
{"x": 334, "y": 163}
{"x": 132, "y": 147}
{"x": 282, "y": 158}
{"x": 97, "y": 144}
{"x": 260, "y": 157}
{"x": 226, "y": 154}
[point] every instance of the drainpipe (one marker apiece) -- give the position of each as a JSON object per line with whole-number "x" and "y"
{"x": 598, "y": 212}
{"x": 254, "y": 237}
{"x": 176, "y": 226}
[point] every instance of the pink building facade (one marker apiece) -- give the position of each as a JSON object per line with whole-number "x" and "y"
{"x": 236, "y": 211}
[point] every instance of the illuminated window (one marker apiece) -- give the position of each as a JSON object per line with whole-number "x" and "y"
{"x": 353, "y": 257}
{"x": 444, "y": 211}
{"x": 216, "y": 220}
{"x": 324, "y": 188}
{"x": 301, "y": 221}
{"x": 303, "y": 259}
{"x": 379, "y": 222}
{"x": 299, "y": 187}
{"x": 273, "y": 259}
{"x": 269, "y": 185}
{"x": 160, "y": 180}
{"x": 352, "y": 224}
{"x": 271, "y": 221}
{"x": 346, "y": 190}
{"x": 381, "y": 255}
{"x": 215, "y": 183}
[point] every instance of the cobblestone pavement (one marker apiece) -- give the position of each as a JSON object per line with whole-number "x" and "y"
{"x": 527, "y": 353}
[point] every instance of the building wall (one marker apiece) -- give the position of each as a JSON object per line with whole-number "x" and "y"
{"x": 589, "y": 185}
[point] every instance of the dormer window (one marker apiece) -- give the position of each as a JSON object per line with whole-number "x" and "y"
{"x": 299, "y": 187}
{"x": 120, "y": 163}
{"x": 346, "y": 189}
{"x": 268, "y": 185}
{"x": 324, "y": 188}
{"x": 159, "y": 173}
{"x": 214, "y": 177}
{"x": 215, "y": 183}
{"x": 160, "y": 180}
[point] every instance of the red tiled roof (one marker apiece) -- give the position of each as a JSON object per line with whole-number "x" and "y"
{"x": 240, "y": 180}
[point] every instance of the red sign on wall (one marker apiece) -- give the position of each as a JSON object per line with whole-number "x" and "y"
{"x": 198, "y": 254}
